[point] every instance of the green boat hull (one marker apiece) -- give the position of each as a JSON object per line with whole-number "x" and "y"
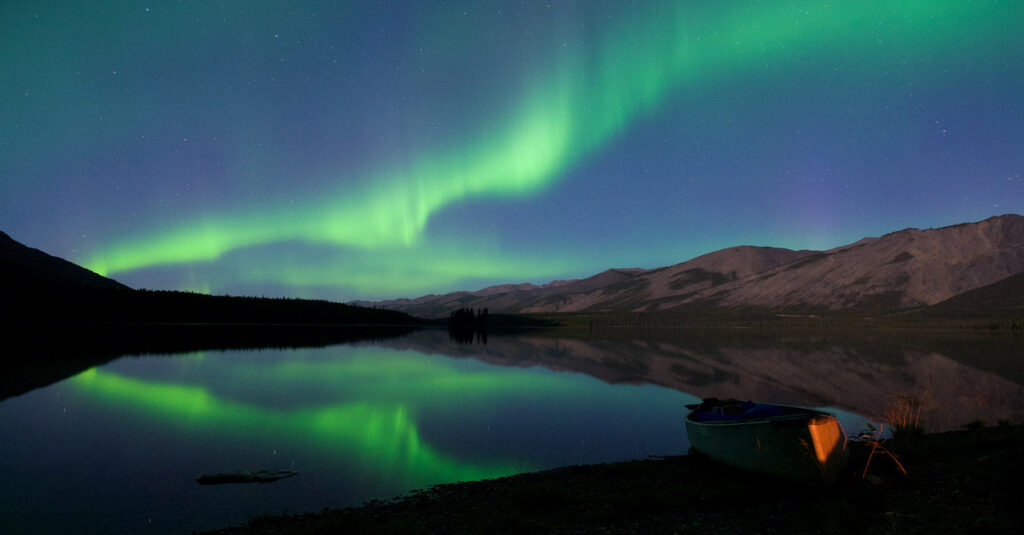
{"x": 803, "y": 446}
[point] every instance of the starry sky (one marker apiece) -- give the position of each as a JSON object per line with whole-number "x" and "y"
{"x": 365, "y": 150}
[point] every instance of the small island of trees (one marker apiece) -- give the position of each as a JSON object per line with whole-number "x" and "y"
{"x": 466, "y": 325}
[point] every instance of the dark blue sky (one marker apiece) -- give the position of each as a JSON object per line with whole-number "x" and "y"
{"x": 385, "y": 149}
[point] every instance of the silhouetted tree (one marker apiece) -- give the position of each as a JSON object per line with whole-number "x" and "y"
{"x": 466, "y": 325}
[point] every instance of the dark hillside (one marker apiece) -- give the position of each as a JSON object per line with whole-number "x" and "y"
{"x": 58, "y": 319}
{"x": 1006, "y": 295}
{"x": 996, "y": 306}
{"x": 40, "y": 288}
{"x": 25, "y": 269}
{"x": 36, "y": 356}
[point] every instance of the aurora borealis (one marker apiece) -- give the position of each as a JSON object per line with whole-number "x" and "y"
{"x": 373, "y": 150}
{"x": 366, "y": 406}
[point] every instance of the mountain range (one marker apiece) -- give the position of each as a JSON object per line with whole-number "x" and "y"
{"x": 966, "y": 269}
{"x": 903, "y": 270}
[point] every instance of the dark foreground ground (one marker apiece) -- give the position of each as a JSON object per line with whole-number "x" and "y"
{"x": 961, "y": 482}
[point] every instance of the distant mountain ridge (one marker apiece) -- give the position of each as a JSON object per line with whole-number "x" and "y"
{"x": 898, "y": 271}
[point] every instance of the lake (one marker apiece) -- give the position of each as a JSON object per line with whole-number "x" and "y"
{"x": 118, "y": 447}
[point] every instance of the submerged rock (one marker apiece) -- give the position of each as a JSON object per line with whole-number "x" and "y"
{"x": 245, "y": 476}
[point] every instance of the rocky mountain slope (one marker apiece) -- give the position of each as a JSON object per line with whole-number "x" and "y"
{"x": 902, "y": 270}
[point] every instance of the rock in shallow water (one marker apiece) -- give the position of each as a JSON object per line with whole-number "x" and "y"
{"x": 245, "y": 476}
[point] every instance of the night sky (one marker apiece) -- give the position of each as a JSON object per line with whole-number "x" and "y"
{"x": 351, "y": 150}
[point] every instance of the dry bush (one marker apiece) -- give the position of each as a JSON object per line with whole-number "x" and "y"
{"x": 904, "y": 415}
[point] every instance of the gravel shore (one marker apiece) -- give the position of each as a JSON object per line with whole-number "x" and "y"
{"x": 959, "y": 482}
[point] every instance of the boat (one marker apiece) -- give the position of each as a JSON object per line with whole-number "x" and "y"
{"x": 799, "y": 445}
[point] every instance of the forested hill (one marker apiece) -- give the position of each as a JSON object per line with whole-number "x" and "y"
{"x": 38, "y": 287}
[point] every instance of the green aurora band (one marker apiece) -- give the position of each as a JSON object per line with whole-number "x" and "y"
{"x": 402, "y": 269}
{"x": 383, "y": 436}
{"x": 588, "y": 96}
{"x": 362, "y": 406}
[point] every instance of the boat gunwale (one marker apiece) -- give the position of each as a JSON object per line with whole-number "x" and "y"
{"x": 804, "y": 415}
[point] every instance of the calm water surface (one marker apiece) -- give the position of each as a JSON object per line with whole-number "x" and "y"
{"x": 117, "y": 448}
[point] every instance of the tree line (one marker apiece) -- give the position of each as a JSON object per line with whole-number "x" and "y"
{"x": 466, "y": 325}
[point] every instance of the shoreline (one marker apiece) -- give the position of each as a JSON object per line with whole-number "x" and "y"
{"x": 957, "y": 481}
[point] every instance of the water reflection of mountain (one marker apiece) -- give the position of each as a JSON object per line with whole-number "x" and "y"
{"x": 960, "y": 380}
{"x": 42, "y": 355}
